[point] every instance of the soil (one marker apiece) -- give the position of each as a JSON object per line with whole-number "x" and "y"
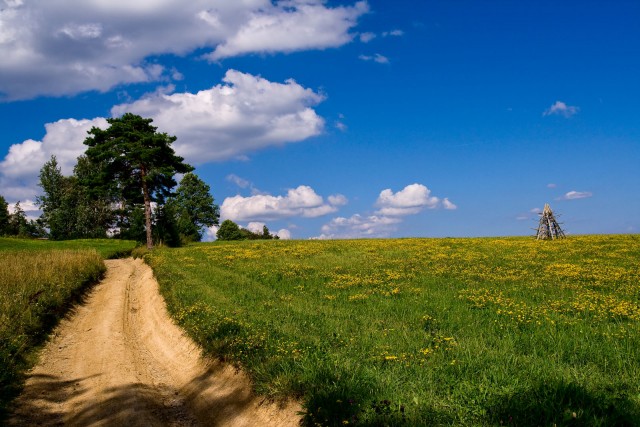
{"x": 118, "y": 359}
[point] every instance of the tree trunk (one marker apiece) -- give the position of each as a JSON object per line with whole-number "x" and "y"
{"x": 147, "y": 208}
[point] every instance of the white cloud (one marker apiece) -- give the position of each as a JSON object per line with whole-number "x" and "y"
{"x": 393, "y": 33}
{"x": 298, "y": 202}
{"x": 64, "y": 139}
{"x": 573, "y": 195}
{"x": 448, "y": 204}
{"x": 337, "y": 200}
{"x": 561, "y": 109}
{"x": 392, "y": 208}
{"x": 255, "y": 227}
{"x": 290, "y": 26}
{"x": 408, "y": 201}
{"x": 535, "y": 210}
{"x": 28, "y": 206}
{"x": 551, "y": 185}
{"x": 380, "y": 59}
{"x": 240, "y": 182}
{"x": 210, "y": 233}
{"x": 65, "y": 47}
{"x": 367, "y": 37}
{"x": 358, "y": 226}
{"x": 245, "y": 114}
{"x": 284, "y": 234}
{"x": 230, "y": 120}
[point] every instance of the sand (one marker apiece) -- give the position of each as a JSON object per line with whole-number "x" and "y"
{"x": 119, "y": 359}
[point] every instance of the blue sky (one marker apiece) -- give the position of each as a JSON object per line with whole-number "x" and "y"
{"x": 345, "y": 119}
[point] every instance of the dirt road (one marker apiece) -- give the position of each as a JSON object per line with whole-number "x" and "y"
{"x": 119, "y": 360}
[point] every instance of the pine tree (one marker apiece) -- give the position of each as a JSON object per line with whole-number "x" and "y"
{"x": 4, "y": 216}
{"x": 134, "y": 158}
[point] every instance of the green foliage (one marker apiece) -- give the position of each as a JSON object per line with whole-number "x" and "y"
{"x": 166, "y": 230}
{"x": 135, "y": 162}
{"x": 4, "y": 216}
{"x": 195, "y": 207}
{"x": 93, "y": 212}
{"x": 18, "y": 223}
{"x": 58, "y": 202}
{"x": 229, "y": 230}
{"x": 68, "y": 210}
{"x": 265, "y": 235}
{"x": 506, "y": 331}
{"x": 132, "y": 226}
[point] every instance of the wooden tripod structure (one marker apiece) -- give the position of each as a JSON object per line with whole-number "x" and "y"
{"x": 548, "y": 228}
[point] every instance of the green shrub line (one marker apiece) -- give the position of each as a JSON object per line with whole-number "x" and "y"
{"x": 487, "y": 331}
{"x": 40, "y": 281}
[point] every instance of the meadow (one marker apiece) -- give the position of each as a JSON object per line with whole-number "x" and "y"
{"x": 39, "y": 281}
{"x": 488, "y": 331}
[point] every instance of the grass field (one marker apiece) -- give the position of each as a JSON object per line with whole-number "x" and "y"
{"x": 38, "y": 282}
{"x": 500, "y": 331}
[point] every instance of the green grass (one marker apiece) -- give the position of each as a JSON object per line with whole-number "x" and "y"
{"x": 107, "y": 248}
{"x": 504, "y": 331}
{"x": 39, "y": 280}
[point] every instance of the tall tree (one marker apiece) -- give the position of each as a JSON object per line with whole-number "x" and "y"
{"x": 4, "y": 216}
{"x": 229, "y": 230}
{"x": 57, "y": 215}
{"x": 195, "y": 208}
{"x": 136, "y": 158}
{"x": 18, "y": 224}
{"x": 94, "y": 213}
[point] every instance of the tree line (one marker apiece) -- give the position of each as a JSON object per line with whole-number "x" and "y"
{"x": 123, "y": 187}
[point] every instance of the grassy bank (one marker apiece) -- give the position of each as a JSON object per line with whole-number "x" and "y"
{"x": 38, "y": 282}
{"x": 423, "y": 331}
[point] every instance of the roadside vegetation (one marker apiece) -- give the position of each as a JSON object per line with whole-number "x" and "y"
{"x": 500, "y": 331}
{"x": 39, "y": 280}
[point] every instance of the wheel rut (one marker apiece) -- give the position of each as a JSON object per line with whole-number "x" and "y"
{"x": 119, "y": 359}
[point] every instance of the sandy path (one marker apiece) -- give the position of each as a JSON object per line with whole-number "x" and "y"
{"x": 120, "y": 360}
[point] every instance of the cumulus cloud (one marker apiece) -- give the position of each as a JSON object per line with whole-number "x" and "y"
{"x": 447, "y": 204}
{"x": 408, "y": 201}
{"x": 302, "y": 201}
{"x": 290, "y": 26}
{"x": 338, "y": 200}
{"x": 64, "y": 139}
{"x": 244, "y": 114}
{"x": 210, "y": 233}
{"x": 392, "y": 207}
{"x": 65, "y": 47}
{"x": 358, "y": 226}
{"x": 367, "y": 37}
{"x": 28, "y": 206}
{"x": 561, "y": 109}
{"x": 380, "y": 59}
{"x": 573, "y": 195}
{"x": 284, "y": 234}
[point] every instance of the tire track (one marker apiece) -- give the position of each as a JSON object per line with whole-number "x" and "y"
{"x": 120, "y": 360}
